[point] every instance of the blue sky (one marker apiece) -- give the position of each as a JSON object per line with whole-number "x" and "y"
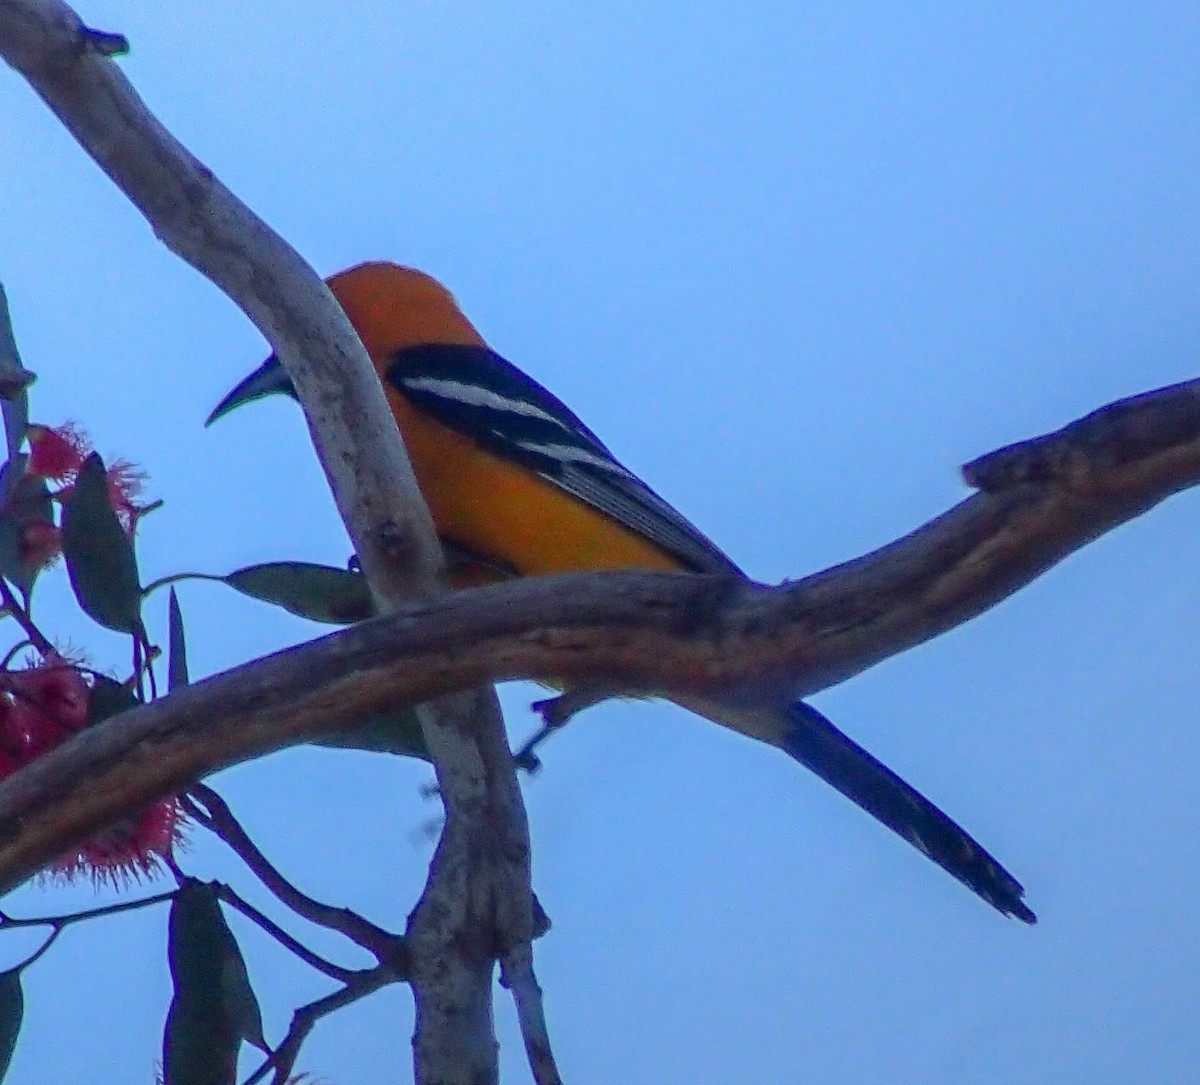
{"x": 794, "y": 263}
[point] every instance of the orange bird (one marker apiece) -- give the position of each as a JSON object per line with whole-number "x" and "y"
{"x": 519, "y": 486}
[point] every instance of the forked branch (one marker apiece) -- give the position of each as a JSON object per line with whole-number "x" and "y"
{"x": 682, "y": 637}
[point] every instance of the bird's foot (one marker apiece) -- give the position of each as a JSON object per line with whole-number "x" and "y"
{"x": 556, "y": 713}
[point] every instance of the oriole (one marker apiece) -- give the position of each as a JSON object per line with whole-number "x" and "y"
{"x": 520, "y": 485}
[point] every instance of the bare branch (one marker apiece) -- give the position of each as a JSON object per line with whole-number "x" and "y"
{"x": 516, "y": 973}
{"x": 477, "y": 897}
{"x": 266, "y": 924}
{"x": 201, "y": 221}
{"x": 13, "y": 609}
{"x": 685, "y": 637}
{"x": 219, "y": 819}
{"x": 356, "y": 438}
{"x": 284, "y": 1057}
{"x": 692, "y": 638}
{"x": 61, "y": 922}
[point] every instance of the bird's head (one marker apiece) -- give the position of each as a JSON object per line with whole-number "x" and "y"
{"x": 391, "y": 307}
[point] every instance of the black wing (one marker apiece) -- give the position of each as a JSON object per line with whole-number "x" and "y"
{"x": 476, "y": 392}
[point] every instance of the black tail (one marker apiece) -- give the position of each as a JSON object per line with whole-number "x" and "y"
{"x": 813, "y": 741}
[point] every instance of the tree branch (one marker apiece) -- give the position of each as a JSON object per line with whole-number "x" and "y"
{"x": 683, "y": 637}
{"x": 356, "y": 438}
{"x": 216, "y": 816}
{"x": 516, "y": 973}
{"x": 477, "y": 897}
{"x": 289, "y": 942}
{"x": 61, "y": 922}
{"x": 202, "y": 222}
{"x": 283, "y": 1058}
{"x": 691, "y": 638}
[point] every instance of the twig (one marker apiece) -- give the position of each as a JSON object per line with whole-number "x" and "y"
{"x": 219, "y": 819}
{"x": 176, "y": 578}
{"x": 556, "y": 713}
{"x": 283, "y": 1058}
{"x": 103, "y": 43}
{"x": 314, "y": 960}
{"x": 516, "y": 973}
{"x": 150, "y": 653}
{"x": 38, "y": 953}
{"x": 181, "y": 879}
{"x": 11, "y": 654}
{"x": 61, "y": 922}
{"x": 21, "y": 615}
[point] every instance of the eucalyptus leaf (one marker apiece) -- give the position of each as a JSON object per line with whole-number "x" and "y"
{"x": 10, "y": 526}
{"x": 12, "y": 1013}
{"x": 109, "y": 698}
{"x": 24, "y": 500}
{"x": 15, "y": 411}
{"x": 194, "y": 1051}
{"x": 321, "y": 593}
{"x": 395, "y": 732}
{"x": 205, "y": 958}
{"x": 336, "y": 596}
{"x": 100, "y": 558}
{"x": 177, "y": 666}
{"x": 214, "y": 1007}
{"x": 15, "y": 379}
{"x": 33, "y": 506}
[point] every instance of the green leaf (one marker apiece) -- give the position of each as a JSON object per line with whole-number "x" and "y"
{"x": 109, "y": 698}
{"x": 214, "y": 1007}
{"x": 321, "y": 593}
{"x": 24, "y": 500}
{"x": 12, "y": 1012}
{"x": 241, "y": 1003}
{"x": 10, "y": 526}
{"x": 100, "y": 558}
{"x": 325, "y": 593}
{"x": 396, "y": 732}
{"x": 15, "y": 411}
{"x": 177, "y": 667}
{"x": 205, "y": 958}
{"x": 193, "y": 1054}
{"x": 15, "y": 380}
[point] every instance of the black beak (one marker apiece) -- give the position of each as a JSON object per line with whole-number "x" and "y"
{"x": 268, "y": 379}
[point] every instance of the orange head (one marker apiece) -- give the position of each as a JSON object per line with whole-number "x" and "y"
{"x": 393, "y": 307}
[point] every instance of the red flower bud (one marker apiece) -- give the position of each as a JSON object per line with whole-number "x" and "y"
{"x": 40, "y": 543}
{"x": 56, "y": 453}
